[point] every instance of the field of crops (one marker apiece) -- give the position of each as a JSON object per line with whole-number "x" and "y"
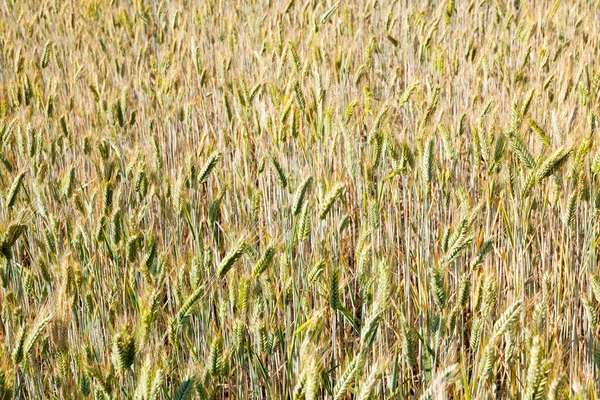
{"x": 305, "y": 199}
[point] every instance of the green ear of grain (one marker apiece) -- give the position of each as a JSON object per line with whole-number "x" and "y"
{"x": 520, "y": 150}
{"x": 28, "y": 338}
{"x": 304, "y": 223}
{"x": 427, "y": 163}
{"x": 348, "y": 376}
{"x": 300, "y": 194}
{"x": 536, "y": 372}
{"x": 45, "y": 55}
{"x": 209, "y": 165}
{"x": 68, "y": 183}
{"x": 508, "y": 318}
{"x": 18, "y": 354}
{"x": 281, "y": 178}
{"x": 264, "y": 261}
{"x": 190, "y": 302}
{"x": 11, "y": 195}
{"x": 234, "y": 255}
{"x": 367, "y": 387}
{"x": 329, "y": 12}
{"x": 123, "y": 351}
{"x": 539, "y": 132}
{"x": 552, "y": 163}
{"x": 215, "y": 361}
{"x": 10, "y": 237}
{"x": 408, "y": 92}
{"x": 185, "y": 389}
{"x": 334, "y": 290}
{"x": 300, "y": 102}
{"x": 330, "y": 199}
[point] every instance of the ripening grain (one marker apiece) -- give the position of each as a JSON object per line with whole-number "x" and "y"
{"x": 299, "y": 199}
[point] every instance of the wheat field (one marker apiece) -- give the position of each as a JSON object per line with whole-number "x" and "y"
{"x": 299, "y": 199}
